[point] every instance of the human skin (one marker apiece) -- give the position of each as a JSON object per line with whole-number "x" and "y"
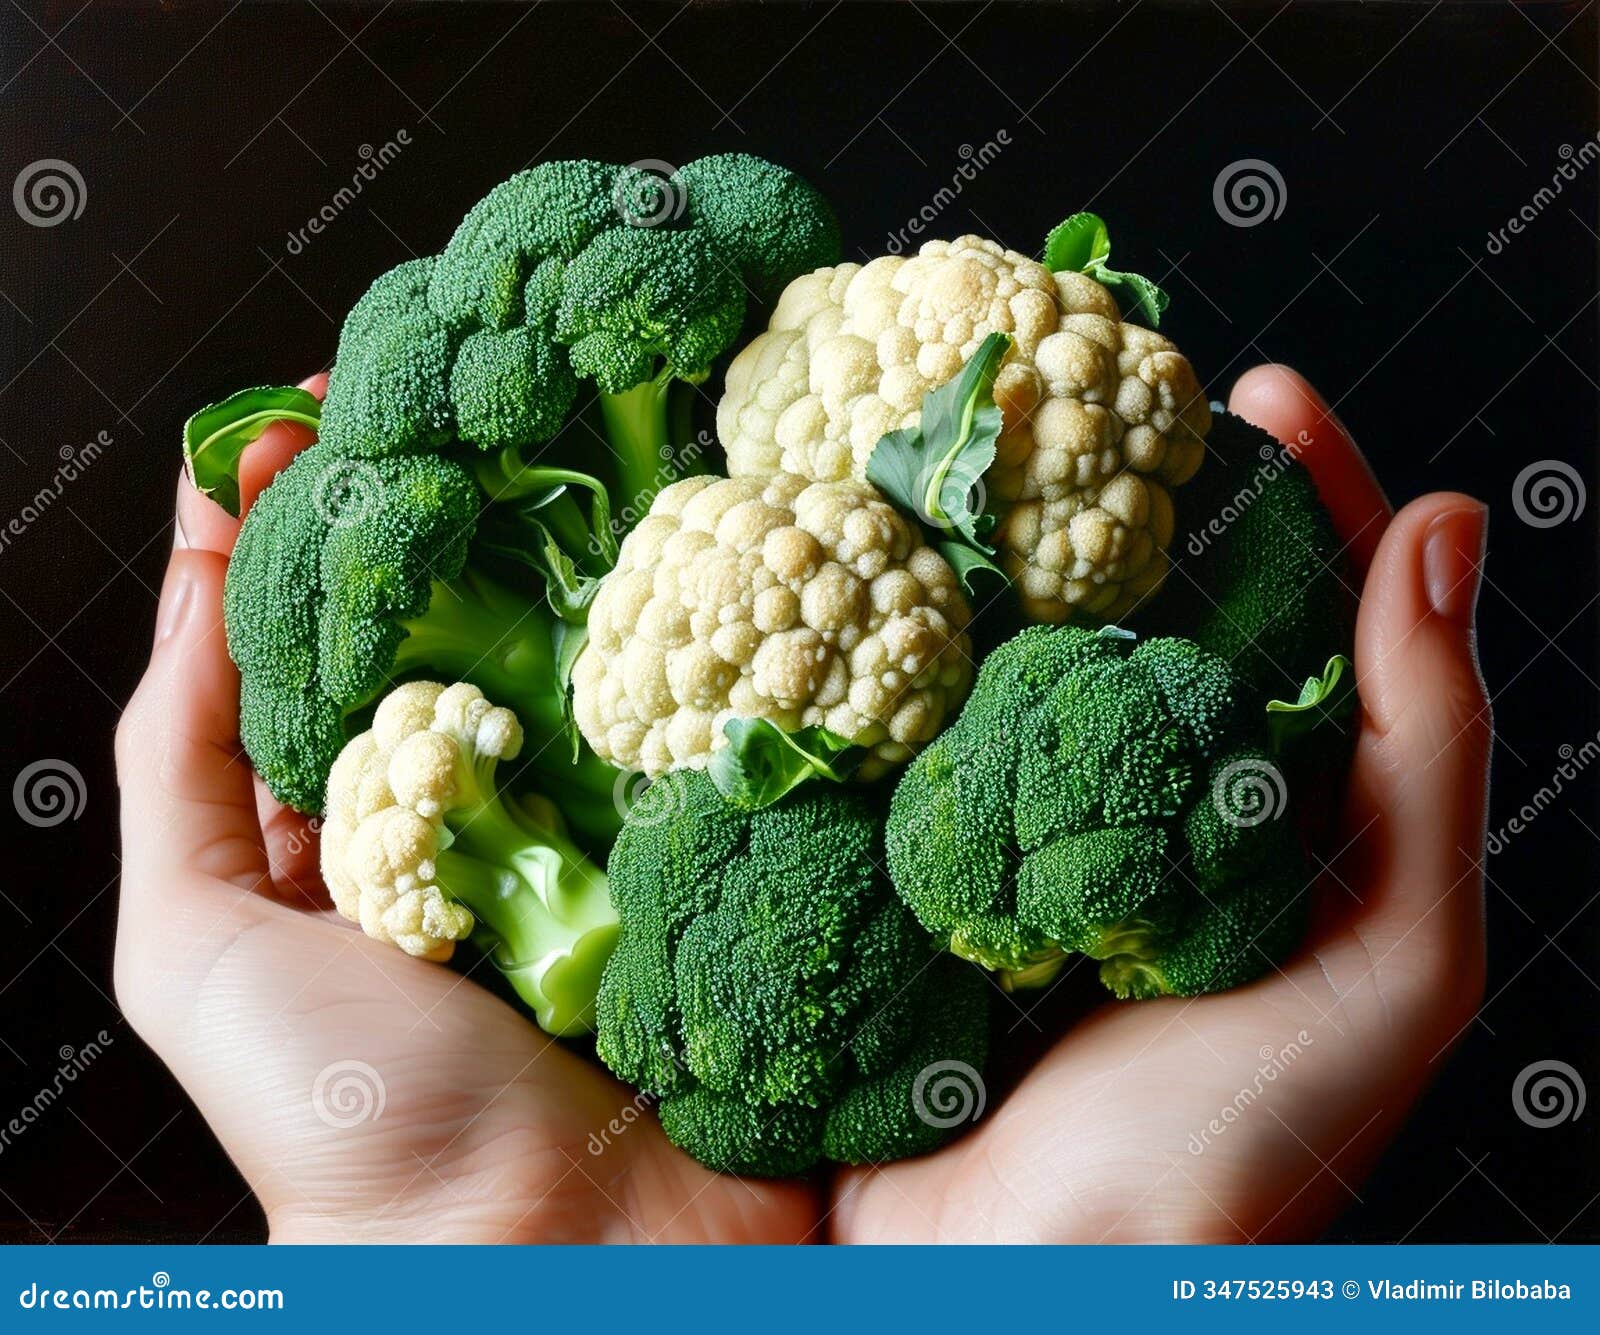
{"x": 233, "y": 967}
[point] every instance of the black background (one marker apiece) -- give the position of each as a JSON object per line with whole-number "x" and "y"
{"x": 206, "y": 133}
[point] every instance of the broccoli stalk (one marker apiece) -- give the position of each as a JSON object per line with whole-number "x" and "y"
{"x": 649, "y": 427}
{"x": 543, "y": 910}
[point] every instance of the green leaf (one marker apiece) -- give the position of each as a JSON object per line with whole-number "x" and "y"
{"x": 216, "y": 436}
{"x": 934, "y": 469}
{"x": 569, "y": 641}
{"x": 1083, "y": 245}
{"x": 1077, "y": 244}
{"x": 1328, "y": 699}
{"x": 762, "y": 762}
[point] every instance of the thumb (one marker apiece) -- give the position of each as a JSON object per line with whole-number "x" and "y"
{"x": 188, "y": 798}
{"x": 1419, "y": 780}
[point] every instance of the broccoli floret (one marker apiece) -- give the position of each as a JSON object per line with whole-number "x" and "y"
{"x": 351, "y": 574}
{"x": 1109, "y": 797}
{"x": 770, "y": 990}
{"x": 570, "y": 271}
{"x": 1258, "y": 574}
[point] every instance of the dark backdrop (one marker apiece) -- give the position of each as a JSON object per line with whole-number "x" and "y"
{"x": 205, "y": 134}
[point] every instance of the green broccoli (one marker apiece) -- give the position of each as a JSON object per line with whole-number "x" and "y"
{"x": 570, "y": 271}
{"x": 451, "y": 370}
{"x": 1258, "y": 573}
{"x": 350, "y": 574}
{"x": 1109, "y": 797}
{"x": 770, "y": 990}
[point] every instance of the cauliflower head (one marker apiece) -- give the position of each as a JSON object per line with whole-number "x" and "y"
{"x": 1100, "y": 418}
{"x": 387, "y": 795}
{"x": 806, "y": 603}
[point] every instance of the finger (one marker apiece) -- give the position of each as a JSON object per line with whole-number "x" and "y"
{"x": 293, "y": 851}
{"x": 188, "y": 799}
{"x": 201, "y": 523}
{"x": 1419, "y": 779}
{"x": 271, "y": 451}
{"x": 1282, "y": 403}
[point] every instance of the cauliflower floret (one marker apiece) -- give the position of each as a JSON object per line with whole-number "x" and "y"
{"x": 1099, "y": 417}
{"x": 387, "y": 793}
{"x": 804, "y": 603}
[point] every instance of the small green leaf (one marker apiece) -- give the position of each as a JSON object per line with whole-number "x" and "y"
{"x": 972, "y": 566}
{"x": 762, "y": 763}
{"x": 1082, "y": 245}
{"x": 216, "y": 436}
{"x": 1328, "y": 699}
{"x": 1077, "y": 244}
{"x": 569, "y": 641}
{"x": 934, "y": 470}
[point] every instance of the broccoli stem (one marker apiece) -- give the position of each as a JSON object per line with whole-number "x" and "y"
{"x": 543, "y": 906}
{"x": 649, "y": 429}
{"x": 500, "y": 639}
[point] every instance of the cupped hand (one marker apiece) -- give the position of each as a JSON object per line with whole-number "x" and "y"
{"x": 1253, "y": 1115}
{"x": 364, "y": 1095}
{"x": 367, "y": 1096}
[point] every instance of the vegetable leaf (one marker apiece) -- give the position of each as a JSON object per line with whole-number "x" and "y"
{"x": 935, "y": 470}
{"x": 1083, "y": 245}
{"x": 215, "y": 437}
{"x": 1330, "y": 698}
{"x": 762, "y": 762}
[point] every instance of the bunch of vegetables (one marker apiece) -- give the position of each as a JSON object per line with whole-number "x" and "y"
{"x": 771, "y": 778}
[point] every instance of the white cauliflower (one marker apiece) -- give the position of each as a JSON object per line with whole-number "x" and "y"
{"x": 803, "y": 603}
{"x": 1099, "y": 417}
{"x": 422, "y": 850}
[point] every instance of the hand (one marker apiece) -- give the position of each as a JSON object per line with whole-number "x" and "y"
{"x": 365, "y": 1096}
{"x": 1159, "y": 1121}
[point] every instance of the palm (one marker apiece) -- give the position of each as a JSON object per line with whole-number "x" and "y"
{"x": 386, "y": 1096}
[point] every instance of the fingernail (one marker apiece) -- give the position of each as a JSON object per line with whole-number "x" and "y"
{"x": 177, "y": 593}
{"x": 1452, "y": 557}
